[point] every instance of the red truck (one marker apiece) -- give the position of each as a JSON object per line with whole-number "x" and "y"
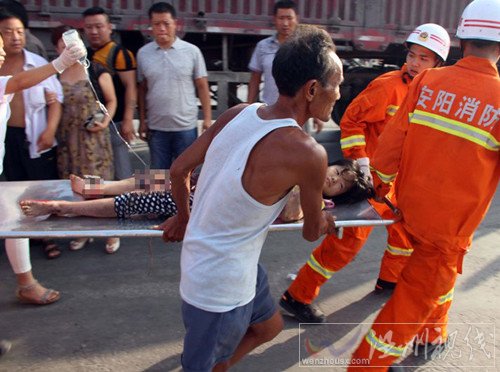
{"x": 227, "y": 30}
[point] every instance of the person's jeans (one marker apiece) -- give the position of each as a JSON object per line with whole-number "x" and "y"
{"x": 164, "y": 147}
{"x": 121, "y": 157}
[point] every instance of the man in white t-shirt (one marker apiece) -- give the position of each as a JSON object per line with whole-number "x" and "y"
{"x": 30, "y": 139}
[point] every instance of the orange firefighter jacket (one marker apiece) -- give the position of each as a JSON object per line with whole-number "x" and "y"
{"x": 367, "y": 114}
{"x": 443, "y": 144}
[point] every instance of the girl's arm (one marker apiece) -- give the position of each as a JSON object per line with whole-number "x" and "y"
{"x": 292, "y": 211}
{"x": 95, "y": 188}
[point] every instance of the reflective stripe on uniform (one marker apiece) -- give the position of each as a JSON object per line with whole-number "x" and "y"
{"x": 399, "y": 251}
{"x": 447, "y": 297}
{"x": 351, "y": 141}
{"x": 315, "y": 265}
{"x": 391, "y": 110}
{"x": 456, "y": 128}
{"x": 385, "y": 178}
{"x": 383, "y": 347}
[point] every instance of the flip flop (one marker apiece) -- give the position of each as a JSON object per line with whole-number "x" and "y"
{"x": 5, "y": 347}
{"x": 79, "y": 243}
{"x": 112, "y": 247}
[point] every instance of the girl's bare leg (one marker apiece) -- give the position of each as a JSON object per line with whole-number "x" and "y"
{"x": 90, "y": 208}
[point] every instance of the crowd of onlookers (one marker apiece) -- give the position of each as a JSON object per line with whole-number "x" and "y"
{"x": 81, "y": 122}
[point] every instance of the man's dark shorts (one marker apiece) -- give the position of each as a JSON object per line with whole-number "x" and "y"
{"x": 213, "y": 337}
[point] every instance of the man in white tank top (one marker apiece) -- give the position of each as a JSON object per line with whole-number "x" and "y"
{"x": 252, "y": 157}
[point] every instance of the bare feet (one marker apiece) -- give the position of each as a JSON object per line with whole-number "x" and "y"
{"x": 33, "y": 208}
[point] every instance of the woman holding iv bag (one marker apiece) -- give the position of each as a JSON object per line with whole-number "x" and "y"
{"x": 83, "y": 134}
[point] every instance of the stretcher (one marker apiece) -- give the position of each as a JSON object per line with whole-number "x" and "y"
{"x": 13, "y": 224}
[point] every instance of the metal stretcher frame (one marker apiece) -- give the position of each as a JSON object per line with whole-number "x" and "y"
{"x": 13, "y": 224}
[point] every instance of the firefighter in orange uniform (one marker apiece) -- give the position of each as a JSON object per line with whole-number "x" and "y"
{"x": 444, "y": 145}
{"x": 363, "y": 122}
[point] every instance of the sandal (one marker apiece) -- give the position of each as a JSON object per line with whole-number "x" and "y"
{"x": 112, "y": 247}
{"x": 79, "y": 243}
{"x": 50, "y": 249}
{"x": 49, "y": 296}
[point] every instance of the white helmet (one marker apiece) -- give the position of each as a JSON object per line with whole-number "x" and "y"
{"x": 433, "y": 37}
{"x": 480, "y": 20}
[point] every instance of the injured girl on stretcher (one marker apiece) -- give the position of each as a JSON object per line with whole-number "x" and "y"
{"x": 344, "y": 184}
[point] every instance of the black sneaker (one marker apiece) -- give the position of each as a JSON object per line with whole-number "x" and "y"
{"x": 384, "y": 286}
{"x": 4, "y": 347}
{"x": 396, "y": 368}
{"x": 304, "y": 313}
{"x": 429, "y": 351}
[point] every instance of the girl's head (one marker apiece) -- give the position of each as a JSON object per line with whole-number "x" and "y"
{"x": 56, "y": 37}
{"x": 345, "y": 183}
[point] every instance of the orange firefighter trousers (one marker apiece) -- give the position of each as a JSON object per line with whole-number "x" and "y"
{"x": 334, "y": 253}
{"x": 419, "y": 307}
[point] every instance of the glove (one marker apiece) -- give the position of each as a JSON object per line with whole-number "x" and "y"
{"x": 364, "y": 167}
{"x": 381, "y": 189}
{"x": 69, "y": 56}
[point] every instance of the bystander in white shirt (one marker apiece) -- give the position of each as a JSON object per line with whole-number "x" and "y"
{"x": 35, "y": 113}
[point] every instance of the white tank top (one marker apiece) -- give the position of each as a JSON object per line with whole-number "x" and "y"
{"x": 227, "y": 227}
